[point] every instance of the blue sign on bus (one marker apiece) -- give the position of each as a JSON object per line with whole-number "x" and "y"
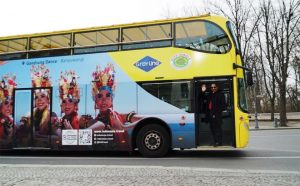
{"x": 147, "y": 63}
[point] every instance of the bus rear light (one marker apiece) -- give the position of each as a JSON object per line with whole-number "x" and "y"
{"x": 123, "y": 141}
{"x": 57, "y": 142}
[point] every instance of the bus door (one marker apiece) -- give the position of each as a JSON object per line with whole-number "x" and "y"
{"x": 203, "y": 130}
{"x": 32, "y": 108}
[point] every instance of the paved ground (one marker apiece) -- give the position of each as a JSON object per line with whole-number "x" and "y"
{"x": 68, "y": 175}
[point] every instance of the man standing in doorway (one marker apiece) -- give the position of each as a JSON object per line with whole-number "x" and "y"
{"x": 216, "y": 105}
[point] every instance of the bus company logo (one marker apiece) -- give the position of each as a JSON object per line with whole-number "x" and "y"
{"x": 181, "y": 61}
{"x": 147, "y": 63}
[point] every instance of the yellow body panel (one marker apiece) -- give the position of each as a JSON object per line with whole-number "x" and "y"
{"x": 241, "y": 118}
{"x": 201, "y": 64}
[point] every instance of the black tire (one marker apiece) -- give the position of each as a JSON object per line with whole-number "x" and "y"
{"x": 153, "y": 141}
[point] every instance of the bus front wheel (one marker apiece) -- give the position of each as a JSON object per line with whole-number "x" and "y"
{"x": 153, "y": 141}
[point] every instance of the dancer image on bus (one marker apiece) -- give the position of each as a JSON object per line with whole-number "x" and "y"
{"x": 40, "y": 78}
{"x": 103, "y": 89}
{"x": 7, "y": 85}
{"x": 69, "y": 95}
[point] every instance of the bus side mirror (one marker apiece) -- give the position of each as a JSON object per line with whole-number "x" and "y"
{"x": 249, "y": 78}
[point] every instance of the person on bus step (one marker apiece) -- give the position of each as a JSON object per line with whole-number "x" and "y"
{"x": 6, "y": 108}
{"x": 202, "y": 103}
{"x": 103, "y": 87}
{"x": 69, "y": 94}
{"x": 216, "y": 104}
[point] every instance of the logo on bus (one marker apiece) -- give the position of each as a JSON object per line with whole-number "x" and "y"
{"x": 147, "y": 63}
{"x": 181, "y": 61}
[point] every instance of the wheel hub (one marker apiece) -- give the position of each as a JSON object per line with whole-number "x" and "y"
{"x": 153, "y": 140}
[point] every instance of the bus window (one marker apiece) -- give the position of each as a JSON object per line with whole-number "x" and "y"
{"x": 96, "y": 41}
{"x": 13, "y": 49}
{"x": 13, "y": 45}
{"x": 54, "y": 45}
{"x": 177, "y": 94}
{"x": 232, "y": 31}
{"x": 242, "y": 95}
{"x": 202, "y": 36}
{"x": 50, "y": 42}
{"x": 146, "y": 36}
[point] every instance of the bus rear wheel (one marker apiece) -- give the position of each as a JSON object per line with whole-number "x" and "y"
{"x": 153, "y": 141}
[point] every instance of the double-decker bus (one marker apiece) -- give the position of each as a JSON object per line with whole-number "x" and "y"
{"x": 122, "y": 87}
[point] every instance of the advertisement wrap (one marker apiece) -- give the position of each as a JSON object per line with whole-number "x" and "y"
{"x": 74, "y": 102}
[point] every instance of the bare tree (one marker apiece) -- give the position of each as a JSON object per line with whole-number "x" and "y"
{"x": 244, "y": 17}
{"x": 286, "y": 19}
{"x": 293, "y": 91}
{"x": 267, "y": 52}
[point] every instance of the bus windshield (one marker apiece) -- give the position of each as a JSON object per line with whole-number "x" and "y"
{"x": 201, "y": 36}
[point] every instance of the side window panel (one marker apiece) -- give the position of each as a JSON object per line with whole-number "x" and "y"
{"x": 242, "y": 95}
{"x": 149, "y": 36}
{"x": 96, "y": 41}
{"x": 177, "y": 93}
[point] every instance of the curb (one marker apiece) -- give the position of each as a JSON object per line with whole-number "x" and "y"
{"x": 278, "y": 128}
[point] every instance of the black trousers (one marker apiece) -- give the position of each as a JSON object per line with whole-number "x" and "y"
{"x": 216, "y": 128}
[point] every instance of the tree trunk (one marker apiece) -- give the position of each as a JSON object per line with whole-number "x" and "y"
{"x": 272, "y": 108}
{"x": 283, "y": 119}
{"x": 273, "y": 99}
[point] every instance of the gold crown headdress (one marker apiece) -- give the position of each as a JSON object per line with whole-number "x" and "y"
{"x": 68, "y": 87}
{"x": 40, "y": 76}
{"x": 7, "y": 86}
{"x": 103, "y": 80}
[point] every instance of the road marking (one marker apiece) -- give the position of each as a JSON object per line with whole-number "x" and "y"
{"x": 275, "y": 150}
{"x": 277, "y": 135}
{"x": 240, "y": 171}
{"x": 272, "y": 157}
{"x": 141, "y": 158}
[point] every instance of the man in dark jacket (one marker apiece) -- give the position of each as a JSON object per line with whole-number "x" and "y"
{"x": 216, "y": 104}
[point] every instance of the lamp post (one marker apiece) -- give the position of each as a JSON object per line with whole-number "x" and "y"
{"x": 255, "y": 110}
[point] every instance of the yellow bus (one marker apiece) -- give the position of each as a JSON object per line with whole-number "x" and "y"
{"x": 126, "y": 87}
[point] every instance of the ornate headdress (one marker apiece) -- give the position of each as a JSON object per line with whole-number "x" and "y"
{"x": 103, "y": 80}
{"x": 68, "y": 87}
{"x": 40, "y": 77}
{"x": 7, "y": 86}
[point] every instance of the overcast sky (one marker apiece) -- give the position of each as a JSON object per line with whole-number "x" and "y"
{"x": 35, "y": 16}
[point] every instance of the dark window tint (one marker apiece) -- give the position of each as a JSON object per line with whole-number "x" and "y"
{"x": 242, "y": 94}
{"x": 177, "y": 94}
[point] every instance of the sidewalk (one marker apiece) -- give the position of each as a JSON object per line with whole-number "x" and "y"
{"x": 269, "y": 125}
